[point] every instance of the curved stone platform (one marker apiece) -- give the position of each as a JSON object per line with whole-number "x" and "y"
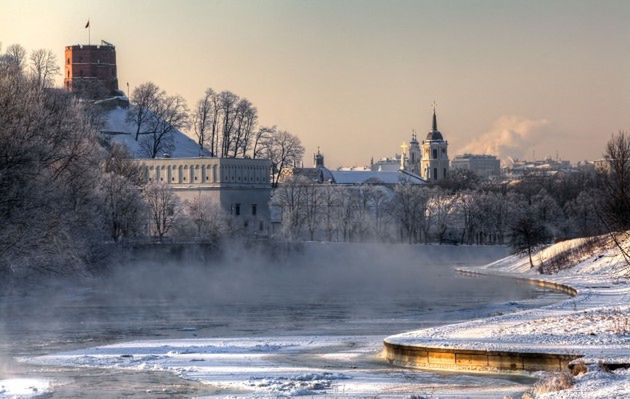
{"x": 439, "y": 358}
{"x": 473, "y": 360}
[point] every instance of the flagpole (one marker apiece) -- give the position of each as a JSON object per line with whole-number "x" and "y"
{"x": 89, "y": 33}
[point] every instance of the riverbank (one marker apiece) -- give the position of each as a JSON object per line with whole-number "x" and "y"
{"x": 591, "y": 329}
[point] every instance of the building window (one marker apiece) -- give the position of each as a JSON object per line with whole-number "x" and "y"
{"x": 254, "y": 209}
{"x": 237, "y": 209}
{"x": 261, "y": 226}
{"x": 435, "y": 153}
{"x": 444, "y": 173}
{"x": 434, "y": 173}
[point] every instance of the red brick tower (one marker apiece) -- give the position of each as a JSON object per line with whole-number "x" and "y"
{"x": 91, "y": 64}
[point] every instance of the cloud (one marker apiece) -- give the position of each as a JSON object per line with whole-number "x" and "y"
{"x": 510, "y": 137}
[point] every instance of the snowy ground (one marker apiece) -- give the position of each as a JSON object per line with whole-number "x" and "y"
{"x": 337, "y": 366}
{"x": 22, "y": 388}
{"x": 595, "y": 323}
{"x": 123, "y": 132}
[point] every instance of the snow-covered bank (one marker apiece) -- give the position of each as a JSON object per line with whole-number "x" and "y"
{"x": 331, "y": 366}
{"x": 23, "y": 388}
{"x": 594, "y": 324}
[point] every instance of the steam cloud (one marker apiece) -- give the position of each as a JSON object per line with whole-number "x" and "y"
{"x": 509, "y": 137}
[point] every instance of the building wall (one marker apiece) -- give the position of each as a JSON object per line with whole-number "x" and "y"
{"x": 86, "y": 63}
{"x": 236, "y": 185}
{"x": 482, "y": 165}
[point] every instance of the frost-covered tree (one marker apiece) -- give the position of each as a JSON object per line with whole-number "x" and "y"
{"x": 43, "y": 67}
{"x": 169, "y": 115}
{"x": 409, "y": 208}
{"x": 284, "y": 150}
{"x": 528, "y": 229}
{"x": 144, "y": 100}
{"x": 163, "y": 207}
{"x": 125, "y": 210}
{"x": 50, "y": 158}
{"x": 204, "y": 120}
{"x": 615, "y": 183}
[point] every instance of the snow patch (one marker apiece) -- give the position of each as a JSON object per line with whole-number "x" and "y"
{"x": 22, "y": 388}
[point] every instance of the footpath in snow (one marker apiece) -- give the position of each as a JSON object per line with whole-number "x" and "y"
{"x": 594, "y": 324}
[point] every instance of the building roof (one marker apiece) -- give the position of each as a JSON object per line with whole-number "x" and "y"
{"x": 434, "y": 134}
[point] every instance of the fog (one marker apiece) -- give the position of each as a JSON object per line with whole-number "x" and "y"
{"x": 240, "y": 291}
{"x": 312, "y": 289}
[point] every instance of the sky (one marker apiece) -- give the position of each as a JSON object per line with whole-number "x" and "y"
{"x": 518, "y": 79}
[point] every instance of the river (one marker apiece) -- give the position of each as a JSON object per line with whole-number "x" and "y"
{"x": 248, "y": 325}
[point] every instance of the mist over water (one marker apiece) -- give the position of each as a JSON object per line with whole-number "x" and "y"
{"x": 318, "y": 289}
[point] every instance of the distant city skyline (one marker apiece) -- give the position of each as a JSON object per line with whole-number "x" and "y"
{"x": 356, "y": 77}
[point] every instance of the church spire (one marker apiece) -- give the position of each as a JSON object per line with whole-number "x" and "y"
{"x": 434, "y": 118}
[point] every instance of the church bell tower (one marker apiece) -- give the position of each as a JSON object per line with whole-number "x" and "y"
{"x": 435, "y": 162}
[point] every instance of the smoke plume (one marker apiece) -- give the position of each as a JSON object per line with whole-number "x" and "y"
{"x": 509, "y": 137}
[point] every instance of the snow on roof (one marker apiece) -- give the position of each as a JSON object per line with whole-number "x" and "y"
{"x": 373, "y": 177}
{"x": 123, "y": 132}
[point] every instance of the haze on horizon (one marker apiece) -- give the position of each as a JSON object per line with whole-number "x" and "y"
{"x": 514, "y": 78}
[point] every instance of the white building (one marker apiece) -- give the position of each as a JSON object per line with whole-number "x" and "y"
{"x": 241, "y": 187}
{"x": 481, "y": 165}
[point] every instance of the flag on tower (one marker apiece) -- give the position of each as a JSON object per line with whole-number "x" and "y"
{"x": 88, "y": 24}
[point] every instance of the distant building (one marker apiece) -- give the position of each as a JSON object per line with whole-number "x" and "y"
{"x": 434, "y": 163}
{"x": 240, "y": 186}
{"x": 90, "y": 65}
{"x": 386, "y": 164}
{"x": 353, "y": 176}
{"x": 411, "y": 156}
{"x": 543, "y": 167}
{"x": 428, "y": 160}
{"x": 481, "y": 165}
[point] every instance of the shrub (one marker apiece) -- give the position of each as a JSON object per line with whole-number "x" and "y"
{"x": 553, "y": 383}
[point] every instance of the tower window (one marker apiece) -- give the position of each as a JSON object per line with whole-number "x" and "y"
{"x": 435, "y": 153}
{"x": 254, "y": 209}
{"x": 434, "y": 173}
{"x": 237, "y": 209}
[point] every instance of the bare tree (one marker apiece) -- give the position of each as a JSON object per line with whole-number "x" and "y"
{"x": 409, "y": 209}
{"x": 227, "y": 104}
{"x": 169, "y": 115}
{"x": 145, "y": 99}
{"x": 16, "y": 57}
{"x": 284, "y": 150}
{"x": 528, "y": 231}
{"x": 261, "y": 137}
{"x": 163, "y": 207}
{"x": 615, "y": 181}
{"x": 43, "y": 67}
{"x": 204, "y": 119}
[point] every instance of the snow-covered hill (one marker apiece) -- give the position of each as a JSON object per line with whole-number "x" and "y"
{"x": 119, "y": 130}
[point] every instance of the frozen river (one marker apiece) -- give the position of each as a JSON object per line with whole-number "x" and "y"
{"x": 310, "y": 323}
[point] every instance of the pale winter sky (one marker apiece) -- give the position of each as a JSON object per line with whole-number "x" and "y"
{"x": 355, "y": 77}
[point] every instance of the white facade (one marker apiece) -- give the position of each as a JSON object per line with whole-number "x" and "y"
{"x": 481, "y": 165}
{"x": 241, "y": 187}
